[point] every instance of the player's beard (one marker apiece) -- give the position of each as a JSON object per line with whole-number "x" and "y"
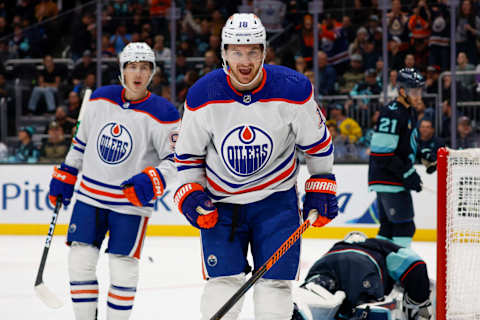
{"x": 243, "y": 78}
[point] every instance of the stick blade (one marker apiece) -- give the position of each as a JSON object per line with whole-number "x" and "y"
{"x": 47, "y": 296}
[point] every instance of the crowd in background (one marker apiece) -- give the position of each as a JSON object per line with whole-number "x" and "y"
{"x": 349, "y": 61}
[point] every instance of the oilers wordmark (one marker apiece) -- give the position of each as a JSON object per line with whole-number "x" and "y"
{"x": 246, "y": 150}
{"x": 114, "y": 143}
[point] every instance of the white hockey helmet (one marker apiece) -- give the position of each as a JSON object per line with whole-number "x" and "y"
{"x": 243, "y": 28}
{"x": 136, "y": 52}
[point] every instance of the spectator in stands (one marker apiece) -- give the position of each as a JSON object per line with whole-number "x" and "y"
{"x": 63, "y": 120}
{"x": 349, "y": 129}
{"x": 368, "y": 87}
{"x": 310, "y": 75}
{"x": 73, "y": 105}
{"x": 353, "y": 75}
{"x": 358, "y": 43}
{"x": 107, "y": 50}
{"x": 462, "y": 93}
{"x": 468, "y": 31}
{"x": 392, "y": 87}
{"x": 396, "y": 58}
{"x": 339, "y": 149}
{"x": 48, "y": 81}
{"x": 157, "y": 85}
{"x": 445, "y": 133}
{"x": 326, "y": 75}
{"x": 4, "y": 27}
{"x": 4, "y": 53}
{"x": 439, "y": 44}
{"x": 83, "y": 67}
{"x": 348, "y": 28}
{"x": 211, "y": 60}
{"x": 409, "y": 61}
{"x": 181, "y": 65}
{"x": 431, "y": 82}
{"x": 306, "y": 38}
{"x": 423, "y": 112}
{"x": 214, "y": 42}
{"x": 45, "y": 9}
{"x": 55, "y": 147}
{"x": 89, "y": 82}
{"x": 428, "y": 144}
{"x": 120, "y": 38}
{"x": 182, "y": 88}
{"x": 466, "y": 138}
{"x": 419, "y": 22}
{"x": 397, "y": 21}
{"x": 468, "y": 81}
{"x": 83, "y": 39}
{"x": 25, "y": 151}
{"x": 272, "y": 14}
{"x": 19, "y": 46}
{"x": 300, "y": 64}
{"x": 271, "y": 57}
{"x": 161, "y": 52}
{"x": 370, "y": 55}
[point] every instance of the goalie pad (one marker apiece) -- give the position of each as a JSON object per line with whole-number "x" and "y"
{"x": 315, "y": 302}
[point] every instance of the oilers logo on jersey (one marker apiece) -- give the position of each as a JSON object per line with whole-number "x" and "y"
{"x": 246, "y": 150}
{"x": 114, "y": 143}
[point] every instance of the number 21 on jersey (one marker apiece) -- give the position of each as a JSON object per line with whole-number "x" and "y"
{"x": 387, "y": 125}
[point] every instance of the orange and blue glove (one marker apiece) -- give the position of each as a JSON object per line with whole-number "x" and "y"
{"x": 62, "y": 183}
{"x": 321, "y": 195}
{"x": 196, "y": 206}
{"x": 144, "y": 187}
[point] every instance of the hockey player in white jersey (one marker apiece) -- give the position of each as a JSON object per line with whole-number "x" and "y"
{"x": 124, "y": 149}
{"x": 237, "y": 164}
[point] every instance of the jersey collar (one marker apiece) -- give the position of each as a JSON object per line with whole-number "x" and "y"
{"x": 247, "y": 97}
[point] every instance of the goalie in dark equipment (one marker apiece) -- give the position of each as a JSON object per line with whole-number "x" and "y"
{"x": 352, "y": 279}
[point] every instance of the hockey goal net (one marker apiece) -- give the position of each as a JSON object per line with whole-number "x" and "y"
{"x": 458, "y": 234}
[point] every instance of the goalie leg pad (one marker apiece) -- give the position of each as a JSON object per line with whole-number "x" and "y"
{"x": 124, "y": 273}
{"x": 273, "y": 299}
{"x": 82, "y": 264}
{"x": 217, "y": 291}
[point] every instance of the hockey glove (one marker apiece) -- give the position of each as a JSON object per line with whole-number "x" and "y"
{"x": 411, "y": 180}
{"x": 321, "y": 196}
{"x": 196, "y": 206}
{"x": 143, "y": 187}
{"x": 62, "y": 183}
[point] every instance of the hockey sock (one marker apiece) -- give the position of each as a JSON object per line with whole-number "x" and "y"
{"x": 82, "y": 263}
{"x": 217, "y": 291}
{"x": 123, "y": 286}
{"x": 273, "y": 299}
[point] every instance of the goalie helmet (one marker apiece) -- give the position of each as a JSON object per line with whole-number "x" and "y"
{"x": 136, "y": 52}
{"x": 243, "y": 28}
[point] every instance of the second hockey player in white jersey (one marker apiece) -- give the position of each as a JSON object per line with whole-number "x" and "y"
{"x": 237, "y": 164}
{"x": 124, "y": 148}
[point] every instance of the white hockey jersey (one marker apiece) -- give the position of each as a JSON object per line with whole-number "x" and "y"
{"x": 242, "y": 146}
{"x": 118, "y": 139}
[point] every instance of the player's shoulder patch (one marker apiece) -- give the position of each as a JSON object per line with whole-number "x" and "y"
{"x": 159, "y": 109}
{"x": 112, "y": 93}
{"x": 286, "y": 84}
{"x": 209, "y": 88}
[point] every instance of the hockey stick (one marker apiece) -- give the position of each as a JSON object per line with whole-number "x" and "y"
{"x": 86, "y": 97}
{"x": 43, "y": 293}
{"x": 265, "y": 267}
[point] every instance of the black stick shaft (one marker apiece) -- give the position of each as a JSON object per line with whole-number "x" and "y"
{"x": 48, "y": 241}
{"x": 260, "y": 272}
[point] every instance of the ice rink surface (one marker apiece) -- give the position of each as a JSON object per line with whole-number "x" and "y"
{"x": 170, "y": 277}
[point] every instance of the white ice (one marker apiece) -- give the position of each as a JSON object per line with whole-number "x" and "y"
{"x": 170, "y": 277}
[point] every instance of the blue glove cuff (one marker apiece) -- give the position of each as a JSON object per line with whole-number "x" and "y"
{"x": 69, "y": 169}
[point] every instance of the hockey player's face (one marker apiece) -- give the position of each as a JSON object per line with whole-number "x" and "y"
{"x": 137, "y": 75}
{"x": 244, "y": 61}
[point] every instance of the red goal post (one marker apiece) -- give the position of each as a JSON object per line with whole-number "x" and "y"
{"x": 458, "y": 234}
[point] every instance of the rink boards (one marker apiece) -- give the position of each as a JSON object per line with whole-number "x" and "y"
{"x": 25, "y": 210}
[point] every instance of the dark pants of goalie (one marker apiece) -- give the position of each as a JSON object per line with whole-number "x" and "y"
{"x": 395, "y": 212}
